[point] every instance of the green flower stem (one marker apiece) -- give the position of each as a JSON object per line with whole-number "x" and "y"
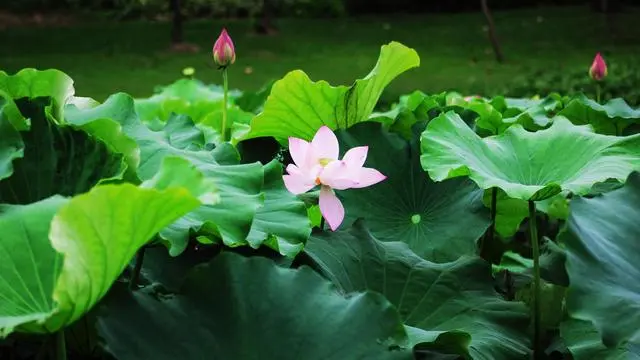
{"x": 321, "y": 223}
{"x": 135, "y": 275}
{"x": 61, "y": 346}
{"x": 535, "y": 299}
{"x": 598, "y": 92}
{"x": 225, "y": 84}
{"x": 494, "y": 210}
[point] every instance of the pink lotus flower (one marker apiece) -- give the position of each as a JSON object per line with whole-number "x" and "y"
{"x": 224, "y": 53}
{"x": 316, "y": 163}
{"x": 598, "y": 69}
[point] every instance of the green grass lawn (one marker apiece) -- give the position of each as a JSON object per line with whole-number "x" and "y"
{"x": 133, "y": 57}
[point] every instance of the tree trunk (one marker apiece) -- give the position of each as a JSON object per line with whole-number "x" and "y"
{"x": 265, "y": 25}
{"x": 492, "y": 31}
{"x": 176, "y": 25}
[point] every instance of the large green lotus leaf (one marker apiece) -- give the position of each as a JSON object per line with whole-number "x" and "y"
{"x": 527, "y": 165}
{"x": 57, "y": 159}
{"x": 240, "y": 193}
{"x": 489, "y": 119}
{"x": 532, "y": 114}
{"x": 504, "y": 104}
{"x": 11, "y": 144}
{"x": 251, "y": 308}
{"x": 178, "y": 136}
{"x": 237, "y": 124}
{"x": 60, "y": 256}
{"x": 159, "y": 267}
{"x": 32, "y": 83}
{"x": 611, "y": 118}
{"x": 485, "y": 118}
{"x": 52, "y": 89}
{"x": 451, "y": 297}
{"x": 282, "y": 222}
{"x": 254, "y": 101}
{"x": 584, "y": 343}
{"x": 298, "y": 106}
{"x": 184, "y": 97}
{"x": 512, "y": 106}
{"x": 494, "y": 116}
{"x": 602, "y": 252}
{"x": 29, "y": 267}
{"x": 408, "y": 206}
{"x": 99, "y": 121}
{"x": 411, "y": 108}
{"x": 239, "y": 185}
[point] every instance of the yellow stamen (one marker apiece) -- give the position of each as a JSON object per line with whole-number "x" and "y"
{"x": 324, "y": 161}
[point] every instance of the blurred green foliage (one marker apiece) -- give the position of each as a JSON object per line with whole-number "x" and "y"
{"x": 622, "y": 81}
{"x": 105, "y": 56}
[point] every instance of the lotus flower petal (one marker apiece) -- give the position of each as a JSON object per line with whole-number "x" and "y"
{"x": 331, "y": 208}
{"x": 299, "y": 150}
{"x": 325, "y": 144}
{"x": 337, "y": 175}
{"x": 355, "y": 157}
{"x": 367, "y": 177}
{"x": 297, "y": 184}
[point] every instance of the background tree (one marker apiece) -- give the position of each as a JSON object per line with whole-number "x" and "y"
{"x": 492, "y": 31}
{"x": 177, "y": 29}
{"x": 176, "y": 23}
{"x": 265, "y": 25}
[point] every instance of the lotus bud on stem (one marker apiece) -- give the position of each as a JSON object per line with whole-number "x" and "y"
{"x": 598, "y": 71}
{"x": 224, "y": 54}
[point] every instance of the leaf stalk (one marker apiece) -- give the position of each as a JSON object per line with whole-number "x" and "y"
{"x": 490, "y": 234}
{"x": 135, "y": 275}
{"x": 535, "y": 300}
{"x": 61, "y": 345}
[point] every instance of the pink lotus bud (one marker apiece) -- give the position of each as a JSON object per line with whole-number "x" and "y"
{"x": 598, "y": 69}
{"x": 224, "y": 53}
